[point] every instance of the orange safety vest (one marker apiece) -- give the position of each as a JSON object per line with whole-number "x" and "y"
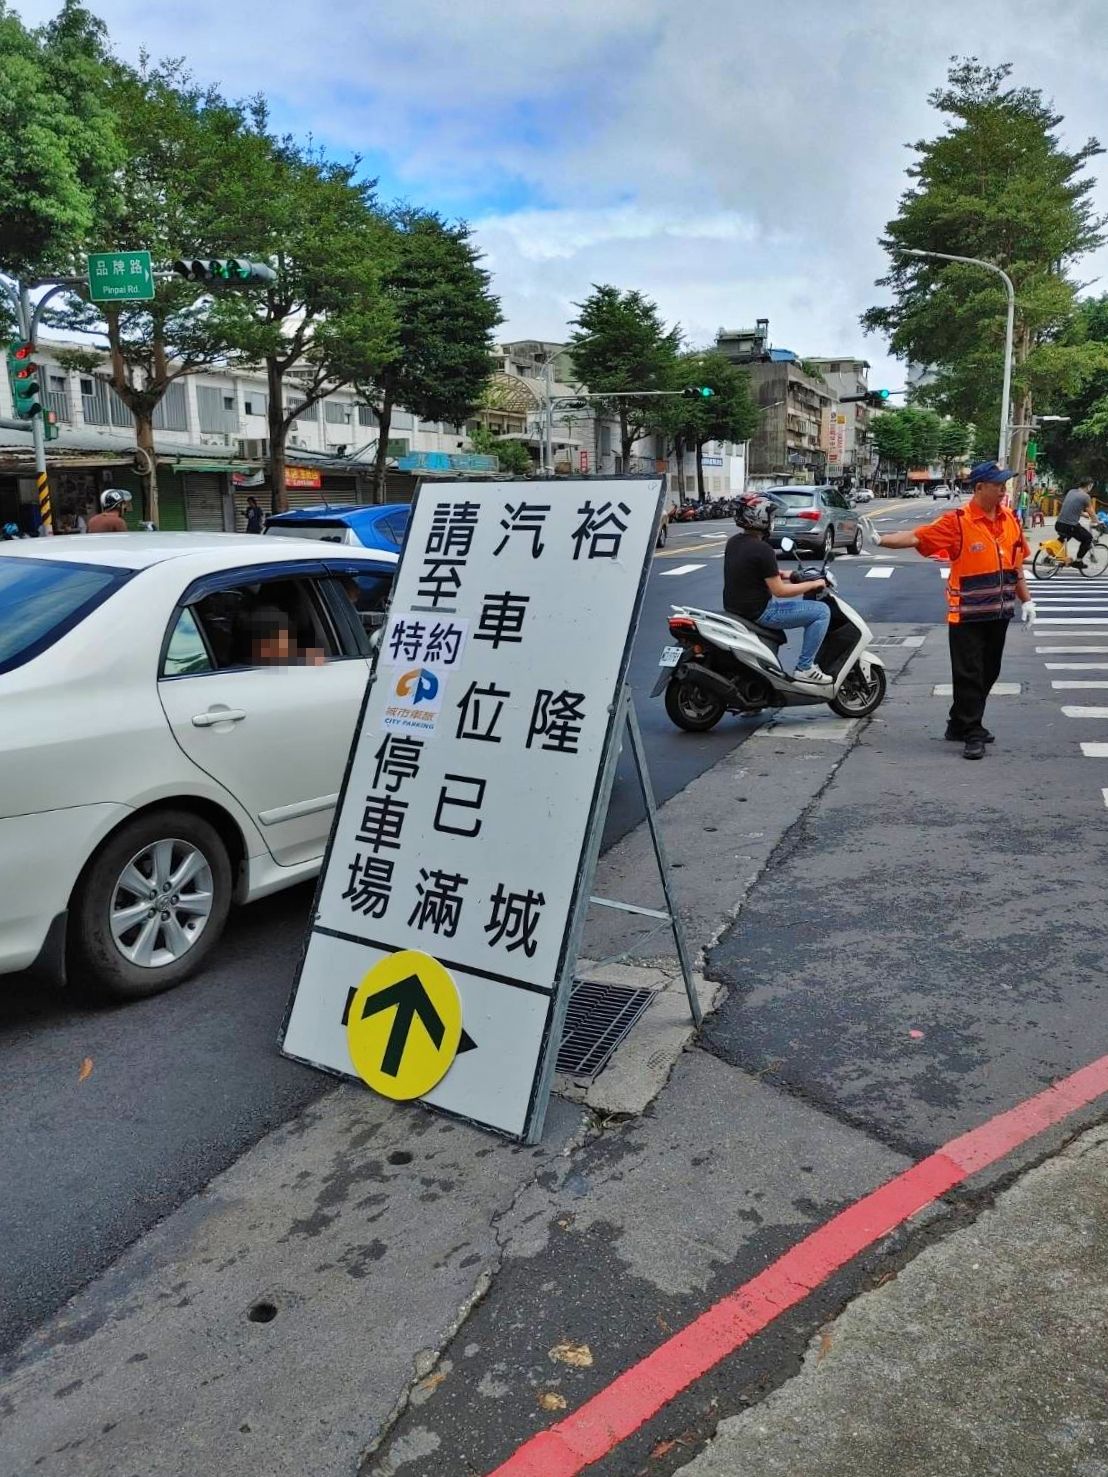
{"x": 985, "y": 564}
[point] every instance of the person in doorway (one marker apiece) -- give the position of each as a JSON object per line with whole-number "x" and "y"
{"x": 1077, "y": 504}
{"x": 985, "y": 545}
{"x": 754, "y": 587}
{"x": 114, "y": 502}
{"x": 255, "y": 518}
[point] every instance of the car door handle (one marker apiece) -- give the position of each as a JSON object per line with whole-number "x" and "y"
{"x": 217, "y": 715}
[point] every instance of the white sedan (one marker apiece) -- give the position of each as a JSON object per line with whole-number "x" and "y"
{"x": 177, "y": 713}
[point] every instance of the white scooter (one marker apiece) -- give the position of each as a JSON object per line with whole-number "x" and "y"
{"x": 727, "y": 664}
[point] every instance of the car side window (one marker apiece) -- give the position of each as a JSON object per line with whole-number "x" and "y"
{"x": 275, "y": 622}
{"x": 186, "y": 653}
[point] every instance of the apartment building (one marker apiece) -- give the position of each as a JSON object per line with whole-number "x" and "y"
{"x": 848, "y": 448}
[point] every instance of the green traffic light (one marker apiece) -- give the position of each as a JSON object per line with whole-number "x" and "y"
{"x": 706, "y": 391}
{"x": 884, "y": 394}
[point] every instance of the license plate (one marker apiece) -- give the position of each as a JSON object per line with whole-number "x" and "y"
{"x": 671, "y": 655}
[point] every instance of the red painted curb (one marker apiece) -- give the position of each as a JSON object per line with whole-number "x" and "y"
{"x": 636, "y": 1395}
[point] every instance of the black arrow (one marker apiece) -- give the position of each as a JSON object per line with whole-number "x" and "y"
{"x": 410, "y": 998}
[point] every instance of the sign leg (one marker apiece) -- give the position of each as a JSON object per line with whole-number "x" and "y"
{"x": 647, "y": 788}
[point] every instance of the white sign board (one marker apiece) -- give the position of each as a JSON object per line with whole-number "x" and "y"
{"x": 477, "y": 776}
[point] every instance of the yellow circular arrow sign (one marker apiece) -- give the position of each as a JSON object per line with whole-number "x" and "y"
{"x": 404, "y": 1025}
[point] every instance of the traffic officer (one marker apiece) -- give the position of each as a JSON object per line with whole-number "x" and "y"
{"x": 986, "y": 548}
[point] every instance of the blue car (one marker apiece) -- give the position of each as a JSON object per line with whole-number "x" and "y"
{"x": 380, "y": 526}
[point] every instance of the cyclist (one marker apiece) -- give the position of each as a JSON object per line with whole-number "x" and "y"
{"x": 113, "y": 502}
{"x": 1076, "y": 504}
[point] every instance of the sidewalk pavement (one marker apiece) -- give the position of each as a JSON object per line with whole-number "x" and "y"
{"x": 988, "y": 1354}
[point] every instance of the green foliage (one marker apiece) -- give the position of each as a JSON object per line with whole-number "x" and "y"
{"x": 729, "y": 414}
{"x": 1081, "y": 448}
{"x": 891, "y": 436}
{"x": 513, "y": 455}
{"x": 622, "y": 344}
{"x": 996, "y": 183}
{"x": 60, "y": 146}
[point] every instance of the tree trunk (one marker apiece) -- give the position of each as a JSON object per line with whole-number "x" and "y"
{"x": 700, "y": 470}
{"x": 381, "y": 464}
{"x": 278, "y": 430}
{"x": 626, "y": 440}
{"x": 144, "y": 439}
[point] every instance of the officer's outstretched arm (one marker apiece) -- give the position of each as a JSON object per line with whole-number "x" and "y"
{"x": 905, "y": 538}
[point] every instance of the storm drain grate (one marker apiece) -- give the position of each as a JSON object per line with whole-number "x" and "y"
{"x": 598, "y": 1018}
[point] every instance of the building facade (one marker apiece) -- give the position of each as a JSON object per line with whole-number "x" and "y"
{"x": 848, "y": 443}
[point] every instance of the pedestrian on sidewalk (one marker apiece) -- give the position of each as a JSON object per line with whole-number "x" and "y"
{"x": 985, "y": 545}
{"x": 254, "y": 516}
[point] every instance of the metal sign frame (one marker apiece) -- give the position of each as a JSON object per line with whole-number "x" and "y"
{"x": 621, "y": 721}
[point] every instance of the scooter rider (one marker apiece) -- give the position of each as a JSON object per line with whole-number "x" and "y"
{"x": 113, "y": 502}
{"x": 754, "y": 588}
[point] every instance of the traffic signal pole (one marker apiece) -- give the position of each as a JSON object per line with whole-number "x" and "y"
{"x": 27, "y": 324}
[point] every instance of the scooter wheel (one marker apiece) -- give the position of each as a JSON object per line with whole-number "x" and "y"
{"x": 691, "y": 708}
{"x": 860, "y": 696}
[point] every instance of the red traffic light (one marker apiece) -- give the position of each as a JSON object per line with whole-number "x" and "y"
{"x": 22, "y": 351}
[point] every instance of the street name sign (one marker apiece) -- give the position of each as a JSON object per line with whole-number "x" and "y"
{"x": 120, "y": 277}
{"x": 467, "y": 829}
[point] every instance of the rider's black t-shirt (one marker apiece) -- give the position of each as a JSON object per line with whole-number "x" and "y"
{"x": 747, "y": 564}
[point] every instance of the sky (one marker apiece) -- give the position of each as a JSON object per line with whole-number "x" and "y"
{"x": 732, "y": 160}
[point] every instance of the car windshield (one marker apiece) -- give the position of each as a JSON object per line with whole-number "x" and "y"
{"x": 328, "y": 533}
{"x": 794, "y": 499}
{"x": 42, "y": 599}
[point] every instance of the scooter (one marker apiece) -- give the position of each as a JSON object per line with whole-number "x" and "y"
{"x": 728, "y": 664}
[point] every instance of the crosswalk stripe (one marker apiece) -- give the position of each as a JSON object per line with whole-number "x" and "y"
{"x": 1071, "y": 620}
{"x": 883, "y": 573}
{"x": 1072, "y": 650}
{"x": 1095, "y": 751}
{"x": 1083, "y": 712}
{"x": 1076, "y": 666}
{"x": 683, "y": 569}
{"x": 1073, "y": 686}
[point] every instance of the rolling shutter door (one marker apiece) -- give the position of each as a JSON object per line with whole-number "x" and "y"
{"x": 204, "y": 502}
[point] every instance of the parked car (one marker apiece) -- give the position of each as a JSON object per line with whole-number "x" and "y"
{"x": 157, "y": 761}
{"x": 817, "y": 519}
{"x": 379, "y": 526}
{"x": 861, "y": 495}
{"x": 944, "y": 491}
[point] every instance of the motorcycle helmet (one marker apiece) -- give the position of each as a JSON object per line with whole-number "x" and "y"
{"x": 755, "y": 512}
{"x": 114, "y": 497}
{"x": 10, "y": 531}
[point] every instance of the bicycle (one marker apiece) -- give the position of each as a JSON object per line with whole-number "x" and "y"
{"x": 1052, "y": 556}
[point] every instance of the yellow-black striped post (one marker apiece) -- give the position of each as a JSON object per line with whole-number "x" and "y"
{"x": 44, "y": 502}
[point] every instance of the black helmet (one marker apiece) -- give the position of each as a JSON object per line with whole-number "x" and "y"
{"x": 755, "y": 512}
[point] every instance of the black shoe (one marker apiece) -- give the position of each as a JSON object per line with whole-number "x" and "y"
{"x": 975, "y": 749}
{"x": 959, "y": 738}
{"x": 1079, "y": 564}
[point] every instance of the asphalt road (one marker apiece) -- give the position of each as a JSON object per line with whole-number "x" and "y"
{"x": 188, "y": 1081}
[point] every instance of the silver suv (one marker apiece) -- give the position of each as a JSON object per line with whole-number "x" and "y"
{"x": 817, "y": 519}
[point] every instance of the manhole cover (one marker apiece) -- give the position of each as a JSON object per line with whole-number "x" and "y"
{"x": 598, "y": 1018}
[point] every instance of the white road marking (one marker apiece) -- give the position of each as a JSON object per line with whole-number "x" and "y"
{"x": 1069, "y": 621}
{"x": 716, "y": 537}
{"x": 1072, "y": 650}
{"x": 1073, "y": 686}
{"x": 1084, "y": 712}
{"x": 1000, "y": 689}
{"x": 1105, "y": 794}
{"x": 683, "y": 569}
{"x": 1095, "y": 751}
{"x": 1076, "y": 666}
{"x": 913, "y": 640}
{"x": 880, "y": 574}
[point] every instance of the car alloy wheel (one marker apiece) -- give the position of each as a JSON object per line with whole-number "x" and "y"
{"x": 161, "y": 903}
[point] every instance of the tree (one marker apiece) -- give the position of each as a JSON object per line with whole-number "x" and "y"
{"x": 955, "y": 440}
{"x": 59, "y": 143}
{"x": 512, "y": 455}
{"x": 1080, "y": 449}
{"x": 444, "y": 314}
{"x": 891, "y": 436}
{"x": 924, "y": 434}
{"x": 995, "y": 184}
{"x": 729, "y": 414}
{"x": 195, "y": 167}
{"x": 325, "y": 322}
{"x": 622, "y": 344}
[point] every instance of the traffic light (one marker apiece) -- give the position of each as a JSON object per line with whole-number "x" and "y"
{"x": 23, "y": 376}
{"x": 234, "y": 271}
{"x": 698, "y": 392}
{"x": 875, "y": 399}
{"x": 50, "y": 426}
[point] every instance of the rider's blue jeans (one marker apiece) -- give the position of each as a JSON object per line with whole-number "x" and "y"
{"x": 788, "y": 615}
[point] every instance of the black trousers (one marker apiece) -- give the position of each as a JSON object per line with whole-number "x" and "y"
{"x": 976, "y": 651}
{"x": 1079, "y": 532}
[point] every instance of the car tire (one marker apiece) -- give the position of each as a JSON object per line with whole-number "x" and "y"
{"x": 106, "y": 945}
{"x": 663, "y": 534}
{"x": 829, "y": 544}
{"x": 855, "y": 544}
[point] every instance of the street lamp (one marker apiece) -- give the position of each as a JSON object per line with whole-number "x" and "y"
{"x": 1006, "y": 391}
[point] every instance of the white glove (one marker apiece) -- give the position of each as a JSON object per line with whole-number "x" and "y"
{"x": 869, "y": 530}
{"x": 1027, "y": 613}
